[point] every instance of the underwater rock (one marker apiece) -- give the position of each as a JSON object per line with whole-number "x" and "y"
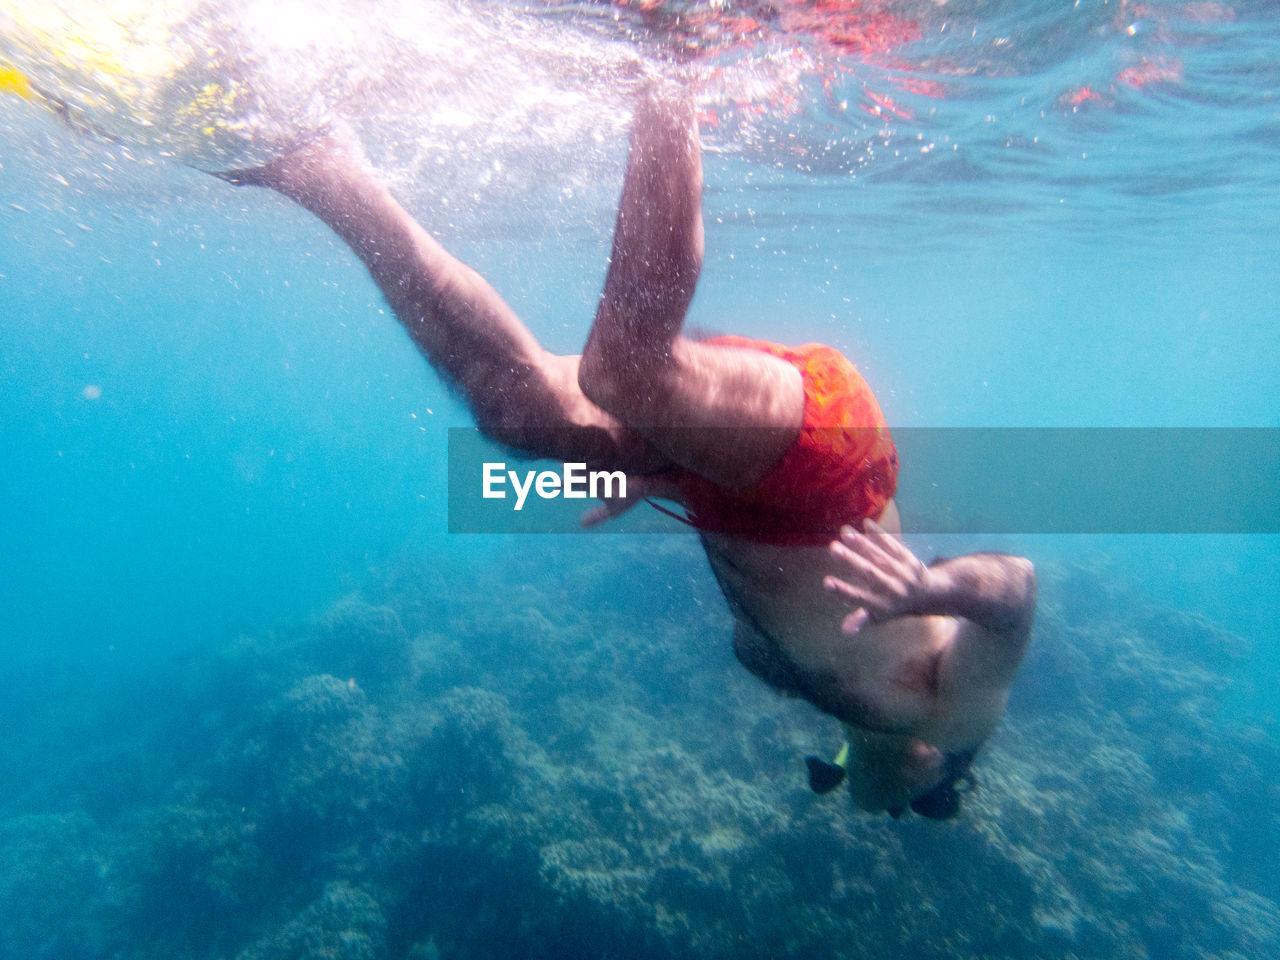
{"x": 595, "y": 869}
{"x": 344, "y": 923}
{"x": 183, "y": 873}
{"x": 321, "y": 761}
{"x": 474, "y": 753}
{"x": 365, "y": 643}
{"x": 53, "y": 892}
{"x": 587, "y": 785}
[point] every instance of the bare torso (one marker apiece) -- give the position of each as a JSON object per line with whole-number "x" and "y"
{"x": 897, "y": 678}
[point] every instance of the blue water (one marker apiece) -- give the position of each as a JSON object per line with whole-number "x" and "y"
{"x": 213, "y": 428}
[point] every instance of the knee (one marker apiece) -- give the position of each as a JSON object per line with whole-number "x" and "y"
{"x": 625, "y": 384}
{"x": 596, "y": 378}
{"x": 510, "y": 407}
{"x": 497, "y": 421}
{"x": 535, "y": 411}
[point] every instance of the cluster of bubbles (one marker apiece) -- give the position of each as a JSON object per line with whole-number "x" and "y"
{"x": 219, "y": 83}
{"x": 466, "y": 99}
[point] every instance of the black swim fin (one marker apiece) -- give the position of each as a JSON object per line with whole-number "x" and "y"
{"x": 823, "y": 777}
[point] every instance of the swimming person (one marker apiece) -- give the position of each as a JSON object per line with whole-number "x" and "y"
{"x": 780, "y": 456}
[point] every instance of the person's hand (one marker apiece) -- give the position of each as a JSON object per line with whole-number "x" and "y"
{"x": 878, "y": 574}
{"x": 616, "y": 506}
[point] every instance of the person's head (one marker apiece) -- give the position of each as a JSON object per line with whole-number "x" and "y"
{"x": 940, "y": 803}
{"x": 943, "y": 801}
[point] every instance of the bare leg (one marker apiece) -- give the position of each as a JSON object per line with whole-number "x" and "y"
{"x": 521, "y": 395}
{"x": 728, "y": 414}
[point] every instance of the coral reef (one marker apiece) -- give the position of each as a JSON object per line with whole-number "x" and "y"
{"x": 583, "y": 771}
{"x": 344, "y": 923}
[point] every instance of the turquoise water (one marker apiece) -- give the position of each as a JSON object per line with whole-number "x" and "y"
{"x": 214, "y": 430}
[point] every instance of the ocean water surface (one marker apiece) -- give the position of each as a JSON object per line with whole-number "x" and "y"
{"x": 260, "y": 703}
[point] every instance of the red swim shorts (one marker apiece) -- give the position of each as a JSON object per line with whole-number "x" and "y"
{"x": 841, "y": 469}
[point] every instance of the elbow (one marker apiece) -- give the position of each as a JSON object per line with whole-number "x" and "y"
{"x": 614, "y": 382}
{"x": 595, "y": 380}
{"x": 1023, "y": 576}
{"x": 1022, "y": 593}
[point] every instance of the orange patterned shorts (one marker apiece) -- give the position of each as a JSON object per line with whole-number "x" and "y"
{"x": 841, "y": 469}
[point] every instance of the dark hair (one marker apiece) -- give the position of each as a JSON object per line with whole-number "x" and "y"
{"x": 943, "y": 801}
{"x": 940, "y": 803}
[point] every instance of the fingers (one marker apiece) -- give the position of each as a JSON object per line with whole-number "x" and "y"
{"x": 885, "y": 552}
{"x": 877, "y": 573}
{"x": 869, "y": 608}
{"x": 594, "y": 517}
{"x": 872, "y": 604}
{"x": 859, "y": 563}
{"x": 598, "y": 515}
{"x": 855, "y": 621}
{"x": 876, "y": 542}
{"x": 866, "y": 568}
{"x": 846, "y": 589}
{"x": 616, "y": 507}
